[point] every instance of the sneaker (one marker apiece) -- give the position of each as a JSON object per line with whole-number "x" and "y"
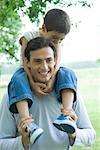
{"x": 35, "y": 133}
{"x": 65, "y": 124}
{"x": 58, "y": 121}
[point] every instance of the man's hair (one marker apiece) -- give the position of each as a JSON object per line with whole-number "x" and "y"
{"x": 57, "y": 20}
{"x": 38, "y": 43}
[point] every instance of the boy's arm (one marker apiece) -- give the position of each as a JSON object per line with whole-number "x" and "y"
{"x": 51, "y": 82}
{"x": 36, "y": 87}
{"x": 23, "y": 41}
{"x": 41, "y": 89}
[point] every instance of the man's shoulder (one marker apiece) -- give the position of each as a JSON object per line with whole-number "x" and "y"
{"x": 4, "y": 99}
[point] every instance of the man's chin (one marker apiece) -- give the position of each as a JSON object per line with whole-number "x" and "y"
{"x": 45, "y": 80}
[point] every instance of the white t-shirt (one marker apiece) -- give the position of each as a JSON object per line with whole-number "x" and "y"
{"x": 45, "y": 110}
{"x": 28, "y": 36}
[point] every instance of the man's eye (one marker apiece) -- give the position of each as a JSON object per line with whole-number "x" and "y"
{"x": 49, "y": 60}
{"x": 37, "y": 61}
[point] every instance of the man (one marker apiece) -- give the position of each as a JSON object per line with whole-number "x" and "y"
{"x": 41, "y": 58}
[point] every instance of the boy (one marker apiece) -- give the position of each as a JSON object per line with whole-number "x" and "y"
{"x": 56, "y": 26}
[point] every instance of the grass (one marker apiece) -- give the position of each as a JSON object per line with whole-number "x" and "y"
{"x": 89, "y": 87}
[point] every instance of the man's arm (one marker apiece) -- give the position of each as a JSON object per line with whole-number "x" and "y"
{"x": 11, "y": 143}
{"x": 8, "y": 139}
{"x": 85, "y": 133}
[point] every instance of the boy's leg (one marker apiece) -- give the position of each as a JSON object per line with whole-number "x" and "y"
{"x": 20, "y": 99}
{"x": 64, "y": 122}
{"x": 22, "y": 108}
{"x": 65, "y": 89}
{"x": 19, "y": 89}
{"x": 34, "y": 131}
{"x": 67, "y": 96}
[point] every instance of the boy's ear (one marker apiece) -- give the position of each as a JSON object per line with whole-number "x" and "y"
{"x": 44, "y": 28}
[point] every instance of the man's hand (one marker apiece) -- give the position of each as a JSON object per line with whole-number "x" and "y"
{"x": 74, "y": 118}
{"x": 21, "y": 128}
{"x": 70, "y": 113}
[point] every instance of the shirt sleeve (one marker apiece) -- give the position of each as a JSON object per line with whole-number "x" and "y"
{"x": 85, "y": 133}
{"x": 29, "y": 35}
{"x": 8, "y": 137}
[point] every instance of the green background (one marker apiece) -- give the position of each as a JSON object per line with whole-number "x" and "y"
{"x": 89, "y": 88}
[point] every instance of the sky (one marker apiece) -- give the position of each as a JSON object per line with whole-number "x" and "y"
{"x": 82, "y": 43}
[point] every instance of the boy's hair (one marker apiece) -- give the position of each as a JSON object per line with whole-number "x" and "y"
{"x": 38, "y": 43}
{"x": 57, "y": 20}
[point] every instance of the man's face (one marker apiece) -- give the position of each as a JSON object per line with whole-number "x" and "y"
{"x": 41, "y": 64}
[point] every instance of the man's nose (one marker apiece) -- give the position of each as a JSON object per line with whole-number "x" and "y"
{"x": 44, "y": 65}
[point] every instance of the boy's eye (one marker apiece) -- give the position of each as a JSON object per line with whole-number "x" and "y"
{"x": 61, "y": 40}
{"x": 56, "y": 41}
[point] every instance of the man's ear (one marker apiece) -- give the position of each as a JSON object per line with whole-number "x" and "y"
{"x": 27, "y": 62}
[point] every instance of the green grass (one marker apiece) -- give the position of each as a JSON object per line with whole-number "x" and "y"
{"x": 89, "y": 87}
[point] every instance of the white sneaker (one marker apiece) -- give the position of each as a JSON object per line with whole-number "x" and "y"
{"x": 65, "y": 124}
{"x": 35, "y": 133}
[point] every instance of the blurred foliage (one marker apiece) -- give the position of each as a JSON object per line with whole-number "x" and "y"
{"x": 98, "y": 62}
{"x": 10, "y": 23}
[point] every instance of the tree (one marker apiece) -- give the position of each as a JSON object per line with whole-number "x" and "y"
{"x": 10, "y": 22}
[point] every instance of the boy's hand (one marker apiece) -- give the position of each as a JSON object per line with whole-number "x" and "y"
{"x": 51, "y": 82}
{"x": 49, "y": 85}
{"x": 36, "y": 87}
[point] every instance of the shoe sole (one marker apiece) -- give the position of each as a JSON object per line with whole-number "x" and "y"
{"x": 58, "y": 126}
{"x": 69, "y": 127}
{"x": 36, "y": 134}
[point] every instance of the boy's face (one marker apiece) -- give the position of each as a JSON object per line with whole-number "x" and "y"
{"x": 42, "y": 64}
{"x": 54, "y": 36}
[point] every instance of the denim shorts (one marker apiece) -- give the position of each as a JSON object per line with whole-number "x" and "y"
{"x": 19, "y": 87}
{"x": 66, "y": 79}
